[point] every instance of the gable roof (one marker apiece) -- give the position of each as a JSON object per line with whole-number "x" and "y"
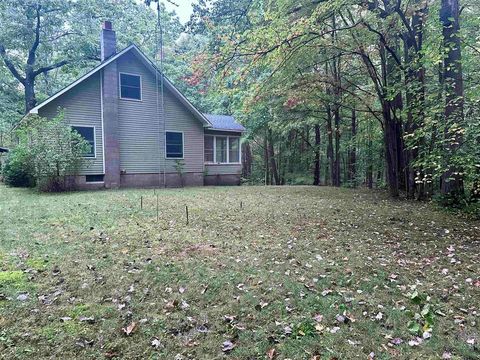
{"x": 224, "y": 122}
{"x": 149, "y": 64}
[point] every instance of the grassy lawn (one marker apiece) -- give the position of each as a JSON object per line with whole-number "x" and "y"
{"x": 295, "y": 272}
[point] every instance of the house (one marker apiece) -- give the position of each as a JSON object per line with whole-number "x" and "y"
{"x": 142, "y": 136}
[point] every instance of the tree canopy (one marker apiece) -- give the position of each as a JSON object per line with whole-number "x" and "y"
{"x": 342, "y": 92}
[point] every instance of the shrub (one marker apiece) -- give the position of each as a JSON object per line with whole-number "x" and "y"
{"x": 18, "y": 169}
{"x": 48, "y": 151}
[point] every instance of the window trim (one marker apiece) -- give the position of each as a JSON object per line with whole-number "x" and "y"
{"x": 228, "y": 150}
{"x": 183, "y": 145}
{"x": 94, "y": 139}
{"x": 120, "y": 86}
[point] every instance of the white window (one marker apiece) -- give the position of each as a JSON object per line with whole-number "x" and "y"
{"x": 233, "y": 150}
{"x": 221, "y": 153}
{"x": 222, "y": 149}
{"x": 130, "y": 86}
{"x": 88, "y": 133}
{"x": 209, "y": 149}
{"x": 174, "y": 145}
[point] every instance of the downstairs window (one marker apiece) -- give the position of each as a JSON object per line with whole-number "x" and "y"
{"x": 173, "y": 145}
{"x": 88, "y": 133}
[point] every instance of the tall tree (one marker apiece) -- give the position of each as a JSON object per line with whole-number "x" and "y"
{"x": 452, "y": 179}
{"x": 30, "y": 30}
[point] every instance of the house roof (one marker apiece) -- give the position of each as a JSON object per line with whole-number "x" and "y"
{"x": 149, "y": 64}
{"x": 224, "y": 122}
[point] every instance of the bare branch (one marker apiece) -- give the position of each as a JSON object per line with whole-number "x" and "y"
{"x": 46, "y": 69}
{"x": 36, "y": 42}
{"x": 10, "y": 65}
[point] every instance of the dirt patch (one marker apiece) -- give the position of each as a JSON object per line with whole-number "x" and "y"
{"x": 200, "y": 249}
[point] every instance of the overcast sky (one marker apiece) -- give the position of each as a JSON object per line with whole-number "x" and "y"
{"x": 184, "y": 9}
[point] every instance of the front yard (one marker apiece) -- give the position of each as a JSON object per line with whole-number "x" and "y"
{"x": 273, "y": 273}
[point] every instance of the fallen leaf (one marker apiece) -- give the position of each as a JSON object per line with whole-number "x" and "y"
{"x": 22, "y": 297}
{"x": 334, "y": 330}
{"x": 227, "y": 346}
{"x": 130, "y": 328}
{"x": 271, "y": 354}
{"x": 156, "y": 343}
{"x": 396, "y": 341}
{"x": 87, "y": 319}
{"x": 326, "y": 292}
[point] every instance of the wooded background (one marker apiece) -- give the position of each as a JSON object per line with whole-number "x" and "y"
{"x": 341, "y": 92}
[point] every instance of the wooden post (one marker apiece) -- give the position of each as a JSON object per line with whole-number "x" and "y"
{"x": 241, "y": 205}
{"x": 157, "y": 207}
{"x": 186, "y": 211}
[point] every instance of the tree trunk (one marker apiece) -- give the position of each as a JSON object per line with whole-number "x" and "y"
{"x": 336, "y": 171}
{"x": 391, "y": 110}
{"x": 265, "y": 163}
{"x": 391, "y": 151}
{"x": 452, "y": 180}
{"x": 415, "y": 99}
{"x": 352, "y": 154}
{"x": 246, "y": 160}
{"x": 330, "y": 147}
{"x": 271, "y": 156}
{"x": 30, "y": 99}
{"x": 369, "y": 160}
{"x": 316, "y": 170}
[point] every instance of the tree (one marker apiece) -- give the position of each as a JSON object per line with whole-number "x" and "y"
{"x": 41, "y": 25}
{"x": 452, "y": 179}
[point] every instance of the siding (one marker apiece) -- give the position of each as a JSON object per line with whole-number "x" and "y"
{"x": 82, "y": 105}
{"x": 141, "y": 130}
{"x": 223, "y": 169}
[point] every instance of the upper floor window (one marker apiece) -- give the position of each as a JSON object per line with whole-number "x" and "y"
{"x": 88, "y": 133}
{"x": 130, "y": 86}
{"x": 173, "y": 145}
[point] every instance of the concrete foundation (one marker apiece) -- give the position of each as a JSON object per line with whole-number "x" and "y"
{"x": 173, "y": 180}
{"x": 156, "y": 180}
{"x": 224, "y": 179}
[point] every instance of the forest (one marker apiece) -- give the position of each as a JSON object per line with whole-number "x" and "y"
{"x": 374, "y": 93}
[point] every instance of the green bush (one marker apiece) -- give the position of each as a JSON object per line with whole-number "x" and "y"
{"x": 48, "y": 153}
{"x": 18, "y": 170}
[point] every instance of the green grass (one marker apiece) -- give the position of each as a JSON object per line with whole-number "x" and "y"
{"x": 258, "y": 275}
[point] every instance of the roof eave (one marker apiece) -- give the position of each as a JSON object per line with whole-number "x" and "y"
{"x": 227, "y": 130}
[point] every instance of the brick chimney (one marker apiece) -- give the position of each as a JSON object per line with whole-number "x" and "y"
{"x": 110, "y": 108}
{"x": 108, "y": 41}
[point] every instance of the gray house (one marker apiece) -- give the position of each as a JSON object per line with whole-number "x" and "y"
{"x": 138, "y": 137}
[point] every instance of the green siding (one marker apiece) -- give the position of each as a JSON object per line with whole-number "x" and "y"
{"x": 82, "y": 106}
{"x": 141, "y": 127}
